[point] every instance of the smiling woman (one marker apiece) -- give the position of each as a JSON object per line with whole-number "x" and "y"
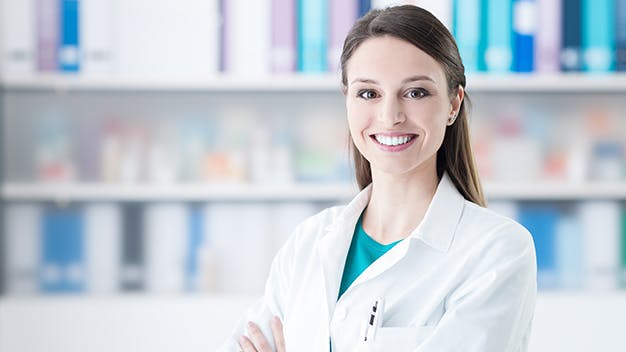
{"x": 414, "y": 262}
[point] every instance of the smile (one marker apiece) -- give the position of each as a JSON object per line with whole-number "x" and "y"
{"x": 394, "y": 143}
{"x": 393, "y": 140}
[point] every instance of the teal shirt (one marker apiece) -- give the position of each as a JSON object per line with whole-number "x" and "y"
{"x": 363, "y": 251}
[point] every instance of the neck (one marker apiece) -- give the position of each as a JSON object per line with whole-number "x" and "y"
{"x": 398, "y": 204}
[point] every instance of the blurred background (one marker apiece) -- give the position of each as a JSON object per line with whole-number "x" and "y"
{"x": 155, "y": 154}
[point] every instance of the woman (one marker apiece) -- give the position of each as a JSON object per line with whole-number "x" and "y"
{"x": 414, "y": 262}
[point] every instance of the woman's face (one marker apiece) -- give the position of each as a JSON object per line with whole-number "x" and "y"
{"x": 398, "y": 105}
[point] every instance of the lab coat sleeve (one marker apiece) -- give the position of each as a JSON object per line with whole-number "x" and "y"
{"x": 271, "y": 303}
{"x": 492, "y": 310}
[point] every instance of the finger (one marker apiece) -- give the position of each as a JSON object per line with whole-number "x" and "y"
{"x": 246, "y": 345}
{"x": 279, "y": 337}
{"x": 258, "y": 339}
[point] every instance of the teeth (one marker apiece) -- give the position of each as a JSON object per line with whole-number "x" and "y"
{"x": 392, "y": 141}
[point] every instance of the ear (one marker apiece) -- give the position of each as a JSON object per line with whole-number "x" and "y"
{"x": 456, "y": 101}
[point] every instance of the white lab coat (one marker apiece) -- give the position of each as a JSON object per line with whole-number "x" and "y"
{"x": 463, "y": 280}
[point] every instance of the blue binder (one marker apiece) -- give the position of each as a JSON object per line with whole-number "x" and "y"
{"x": 496, "y": 27}
{"x": 598, "y": 35}
{"x": 69, "y": 48}
{"x": 466, "y": 24}
{"x": 541, "y": 221}
{"x": 312, "y": 36}
{"x": 364, "y": 7}
{"x": 524, "y": 35}
{"x": 571, "y": 51}
{"x": 194, "y": 245}
{"x": 620, "y": 33}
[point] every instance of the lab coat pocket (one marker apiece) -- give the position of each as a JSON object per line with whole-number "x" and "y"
{"x": 397, "y": 339}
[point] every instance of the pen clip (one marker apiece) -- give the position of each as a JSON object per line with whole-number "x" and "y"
{"x": 371, "y": 320}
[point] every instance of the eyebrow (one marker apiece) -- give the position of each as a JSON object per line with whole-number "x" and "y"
{"x": 405, "y": 81}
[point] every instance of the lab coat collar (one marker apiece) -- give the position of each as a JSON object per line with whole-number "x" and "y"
{"x": 440, "y": 221}
{"x": 442, "y": 217}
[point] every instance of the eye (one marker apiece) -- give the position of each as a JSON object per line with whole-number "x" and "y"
{"x": 367, "y": 94}
{"x": 417, "y": 93}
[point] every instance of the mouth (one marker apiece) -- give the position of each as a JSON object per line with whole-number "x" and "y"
{"x": 393, "y": 141}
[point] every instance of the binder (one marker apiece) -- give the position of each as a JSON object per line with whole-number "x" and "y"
{"x": 541, "y": 221}
{"x": 548, "y": 39}
{"x": 524, "y": 29}
{"x": 283, "y": 50}
{"x": 620, "y": 33}
{"x": 570, "y": 253}
{"x": 364, "y": 6}
{"x": 47, "y": 27}
{"x": 248, "y": 37}
{"x": 18, "y": 37}
{"x": 623, "y": 250}
{"x": 343, "y": 14}
{"x": 166, "y": 226}
{"x": 96, "y": 30}
{"x": 132, "y": 274}
{"x": 158, "y": 39}
{"x": 312, "y": 36}
{"x": 62, "y": 267}
{"x": 103, "y": 246}
{"x": 69, "y": 43}
{"x": 467, "y": 27}
{"x": 22, "y": 248}
{"x": 498, "y": 48}
{"x": 194, "y": 246}
{"x": 571, "y": 50}
{"x": 600, "y": 222}
{"x": 598, "y": 35}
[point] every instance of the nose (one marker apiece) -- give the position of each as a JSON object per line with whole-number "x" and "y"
{"x": 391, "y": 113}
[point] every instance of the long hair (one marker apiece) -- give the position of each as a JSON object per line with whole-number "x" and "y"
{"x": 420, "y": 28}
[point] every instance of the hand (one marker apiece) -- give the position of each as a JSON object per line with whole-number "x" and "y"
{"x": 258, "y": 342}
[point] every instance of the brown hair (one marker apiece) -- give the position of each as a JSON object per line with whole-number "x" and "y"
{"x": 420, "y": 28}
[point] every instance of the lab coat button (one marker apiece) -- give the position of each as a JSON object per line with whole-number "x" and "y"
{"x": 341, "y": 313}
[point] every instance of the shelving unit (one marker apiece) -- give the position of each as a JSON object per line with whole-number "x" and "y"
{"x": 310, "y": 192}
{"x": 529, "y": 83}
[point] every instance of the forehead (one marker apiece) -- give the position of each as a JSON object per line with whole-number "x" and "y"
{"x": 389, "y": 58}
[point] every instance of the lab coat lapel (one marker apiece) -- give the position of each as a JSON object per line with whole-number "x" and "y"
{"x": 333, "y": 246}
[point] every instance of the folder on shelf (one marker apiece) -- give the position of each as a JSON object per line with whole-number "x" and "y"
{"x": 312, "y": 40}
{"x": 620, "y": 33}
{"x": 342, "y": 15}
{"x": 22, "y": 247}
{"x": 541, "y": 221}
{"x": 62, "y": 261}
{"x": 96, "y": 31}
{"x": 18, "y": 37}
{"x": 166, "y": 230}
{"x": 524, "y": 31}
{"x": 103, "y": 246}
{"x": 132, "y": 257}
{"x": 571, "y": 44}
{"x": 48, "y": 28}
{"x": 548, "y": 39}
{"x": 600, "y": 222}
{"x": 69, "y": 43}
{"x": 247, "y": 37}
{"x": 283, "y": 49}
{"x": 467, "y": 27}
{"x": 496, "y": 25}
{"x": 598, "y": 35}
{"x": 364, "y": 6}
{"x": 164, "y": 38}
{"x": 193, "y": 251}
{"x": 569, "y": 253}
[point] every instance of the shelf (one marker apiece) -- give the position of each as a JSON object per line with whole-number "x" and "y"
{"x": 179, "y": 192}
{"x": 305, "y": 192}
{"x": 218, "y": 83}
{"x": 493, "y": 83}
{"x": 200, "y": 323}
